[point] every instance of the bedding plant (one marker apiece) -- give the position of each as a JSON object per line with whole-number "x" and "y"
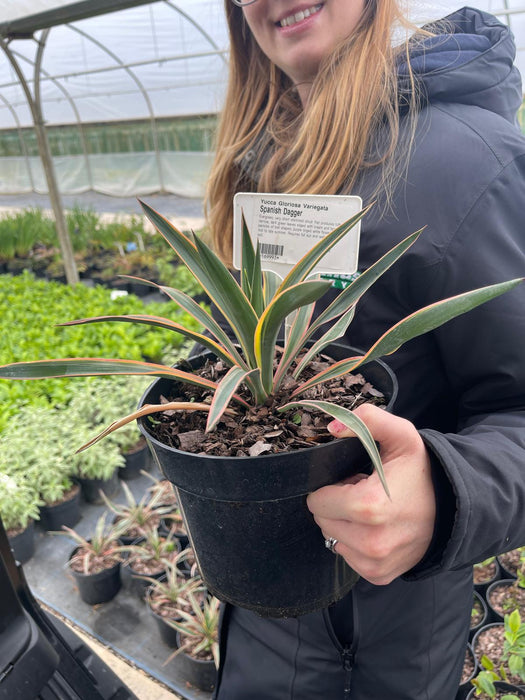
{"x": 253, "y": 382}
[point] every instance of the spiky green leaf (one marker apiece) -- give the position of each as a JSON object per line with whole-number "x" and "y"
{"x": 274, "y": 316}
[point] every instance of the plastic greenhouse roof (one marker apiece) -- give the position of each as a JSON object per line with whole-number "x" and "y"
{"x": 139, "y": 60}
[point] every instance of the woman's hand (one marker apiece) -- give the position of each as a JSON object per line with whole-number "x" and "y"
{"x": 378, "y": 537}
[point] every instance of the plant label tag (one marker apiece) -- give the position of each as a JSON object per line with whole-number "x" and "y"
{"x": 287, "y": 226}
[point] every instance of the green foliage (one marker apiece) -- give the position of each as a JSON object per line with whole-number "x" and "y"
{"x": 31, "y": 310}
{"x": 514, "y": 647}
{"x": 19, "y": 233}
{"x": 255, "y": 310}
{"x": 512, "y": 660}
{"x": 19, "y": 501}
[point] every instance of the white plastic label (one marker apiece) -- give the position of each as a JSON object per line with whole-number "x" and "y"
{"x": 286, "y": 226}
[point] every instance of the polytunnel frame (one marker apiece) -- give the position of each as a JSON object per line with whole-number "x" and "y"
{"x": 24, "y": 28}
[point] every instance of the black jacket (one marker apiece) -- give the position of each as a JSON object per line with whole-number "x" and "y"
{"x": 462, "y": 385}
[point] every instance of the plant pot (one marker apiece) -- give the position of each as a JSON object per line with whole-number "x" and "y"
{"x": 500, "y": 687}
{"x": 23, "y": 543}
{"x": 167, "y": 633}
{"x": 475, "y": 625}
{"x": 494, "y": 613}
{"x": 200, "y": 674}
{"x": 91, "y": 488}
{"x": 481, "y": 585}
{"x": 100, "y": 587}
{"x": 137, "y": 460}
{"x": 256, "y": 543}
{"x": 465, "y": 686}
{"x": 165, "y": 527}
{"x": 508, "y": 569}
{"x": 67, "y": 512}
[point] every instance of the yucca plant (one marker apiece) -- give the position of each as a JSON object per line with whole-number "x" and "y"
{"x": 137, "y": 517}
{"x": 255, "y": 310}
{"x": 165, "y": 595}
{"x": 198, "y": 628}
{"x": 99, "y": 552}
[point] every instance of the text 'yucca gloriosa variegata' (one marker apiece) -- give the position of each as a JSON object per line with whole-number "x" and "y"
{"x": 256, "y": 308}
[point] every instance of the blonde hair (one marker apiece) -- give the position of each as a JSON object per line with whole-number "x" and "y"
{"x": 354, "y": 95}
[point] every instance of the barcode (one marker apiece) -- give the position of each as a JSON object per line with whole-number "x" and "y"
{"x": 271, "y": 250}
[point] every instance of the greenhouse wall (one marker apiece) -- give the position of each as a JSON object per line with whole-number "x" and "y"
{"x": 117, "y": 174}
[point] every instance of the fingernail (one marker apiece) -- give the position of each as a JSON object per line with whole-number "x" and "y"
{"x": 336, "y": 427}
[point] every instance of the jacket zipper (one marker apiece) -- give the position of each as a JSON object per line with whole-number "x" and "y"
{"x": 347, "y": 652}
{"x": 347, "y": 656}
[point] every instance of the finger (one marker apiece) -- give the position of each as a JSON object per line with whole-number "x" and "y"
{"x": 362, "y": 501}
{"x": 386, "y": 429}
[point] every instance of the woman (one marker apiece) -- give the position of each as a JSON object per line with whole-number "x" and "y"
{"x": 321, "y": 100}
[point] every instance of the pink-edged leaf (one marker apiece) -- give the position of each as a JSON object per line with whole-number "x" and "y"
{"x": 159, "y": 322}
{"x": 225, "y": 391}
{"x": 147, "y": 410}
{"x": 352, "y": 422}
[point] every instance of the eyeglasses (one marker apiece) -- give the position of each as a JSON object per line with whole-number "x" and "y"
{"x": 243, "y": 3}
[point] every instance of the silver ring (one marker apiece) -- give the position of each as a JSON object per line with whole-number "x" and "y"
{"x": 330, "y": 544}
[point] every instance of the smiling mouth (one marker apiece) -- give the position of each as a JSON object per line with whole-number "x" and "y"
{"x": 299, "y": 16}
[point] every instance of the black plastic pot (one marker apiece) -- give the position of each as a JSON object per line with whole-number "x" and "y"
{"x": 66, "y": 513}
{"x": 100, "y": 587}
{"x": 474, "y": 628}
{"x": 23, "y": 543}
{"x": 505, "y": 572}
{"x": 465, "y": 687}
{"x": 136, "y": 461}
{"x": 198, "y": 673}
{"x": 91, "y": 488}
{"x": 167, "y": 633}
{"x": 481, "y": 588}
{"x": 256, "y": 543}
{"x": 501, "y": 687}
{"x": 494, "y": 615}
{"x": 139, "y": 585}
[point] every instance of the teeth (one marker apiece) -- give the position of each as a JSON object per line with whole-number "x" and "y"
{"x": 299, "y": 16}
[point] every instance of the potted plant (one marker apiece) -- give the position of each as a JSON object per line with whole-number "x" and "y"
{"x": 19, "y": 503}
{"x": 501, "y": 647}
{"x": 44, "y": 463}
{"x": 94, "y": 407}
{"x": 149, "y": 558}
{"x": 165, "y": 596}
{"x": 252, "y": 508}
{"x": 506, "y": 595}
{"x": 510, "y": 562}
{"x": 95, "y": 562}
{"x": 484, "y": 573}
{"x": 96, "y": 470}
{"x": 469, "y": 670}
{"x": 198, "y": 647}
{"x": 137, "y": 517}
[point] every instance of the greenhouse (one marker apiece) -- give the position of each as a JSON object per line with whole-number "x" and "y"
{"x": 128, "y": 92}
